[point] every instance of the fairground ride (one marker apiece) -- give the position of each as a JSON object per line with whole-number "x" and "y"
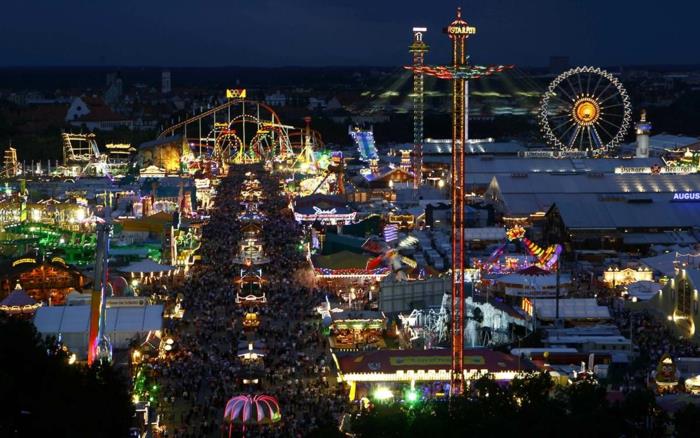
{"x": 545, "y": 257}
{"x": 585, "y": 109}
{"x": 459, "y": 73}
{"x": 10, "y": 166}
{"x": 81, "y": 154}
{"x": 76, "y": 248}
{"x": 308, "y": 142}
{"x": 364, "y": 140}
{"x": 236, "y": 132}
{"x": 82, "y": 157}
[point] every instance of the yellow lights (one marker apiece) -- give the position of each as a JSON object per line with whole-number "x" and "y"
{"x": 72, "y": 359}
{"x": 441, "y": 183}
{"x": 423, "y": 375}
{"x": 80, "y": 215}
{"x": 236, "y": 93}
{"x": 36, "y": 215}
{"x": 23, "y": 261}
{"x": 586, "y": 111}
{"x": 58, "y": 260}
{"x": 383, "y": 393}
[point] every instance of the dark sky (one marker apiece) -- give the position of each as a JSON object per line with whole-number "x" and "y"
{"x": 342, "y": 32}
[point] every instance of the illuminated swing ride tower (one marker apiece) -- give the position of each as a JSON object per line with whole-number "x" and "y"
{"x": 459, "y": 72}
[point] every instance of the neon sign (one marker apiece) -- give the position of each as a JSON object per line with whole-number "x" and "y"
{"x": 236, "y": 93}
{"x": 461, "y": 30}
{"x": 672, "y": 169}
{"x": 686, "y": 196}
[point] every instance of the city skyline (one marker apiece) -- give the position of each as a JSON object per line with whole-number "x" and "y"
{"x": 316, "y": 33}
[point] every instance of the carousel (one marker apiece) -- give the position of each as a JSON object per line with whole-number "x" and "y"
{"x": 358, "y": 329}
{"x": 19, "y": 303}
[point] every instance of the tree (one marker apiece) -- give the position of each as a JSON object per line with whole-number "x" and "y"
{"x": 45, "y": 396}
{"x": 686, "y": 421}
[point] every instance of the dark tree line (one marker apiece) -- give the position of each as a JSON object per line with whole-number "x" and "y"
{"x": 43, "y": 395}
{"x": 530, "y": 407}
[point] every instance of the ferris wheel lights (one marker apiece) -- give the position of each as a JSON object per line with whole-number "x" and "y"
{"x": 572, "y": 115}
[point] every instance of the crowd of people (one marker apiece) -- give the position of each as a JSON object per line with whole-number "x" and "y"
{"x": 202, "y": 371}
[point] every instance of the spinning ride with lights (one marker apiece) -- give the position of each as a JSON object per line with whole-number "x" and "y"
{"x": 585, "y": 109}
{"x": 546, "y": 257}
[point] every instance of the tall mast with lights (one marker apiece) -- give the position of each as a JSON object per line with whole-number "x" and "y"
{"x": 460, "y": 71}
{"x": 418, "y": 48}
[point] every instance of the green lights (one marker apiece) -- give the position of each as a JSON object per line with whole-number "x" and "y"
{"x": 412, "y": 396}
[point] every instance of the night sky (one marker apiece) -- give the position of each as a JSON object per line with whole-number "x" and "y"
{"x": 342, "y": 32}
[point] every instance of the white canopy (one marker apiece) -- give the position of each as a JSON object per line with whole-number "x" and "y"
{"x": 570, "y": 308}
{"x": 145, "y": 266}
{"x": 121, "y": 325}
{"x": 644, "y": 290}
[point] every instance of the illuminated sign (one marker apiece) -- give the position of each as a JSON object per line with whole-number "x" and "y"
{"x": 202, "y": 183}
{"x": 624, "y": 170}
{"x": 433, "y": 360}
{"x": 678, "y": 170}
{"x": 686, "y": 196}
{"x": 461, "y": 30}
{"x": 323, "y": 212}
{"x": 236, "y": 93}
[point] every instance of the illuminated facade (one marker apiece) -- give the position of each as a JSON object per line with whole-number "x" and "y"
{"x": 614, "y": 276}
{"x": 360, "y": 369}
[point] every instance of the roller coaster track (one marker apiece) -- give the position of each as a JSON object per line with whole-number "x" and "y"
{"x": 171, "y": 130}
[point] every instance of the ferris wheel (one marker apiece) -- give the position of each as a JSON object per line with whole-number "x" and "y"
{"x": 585, "y": 109}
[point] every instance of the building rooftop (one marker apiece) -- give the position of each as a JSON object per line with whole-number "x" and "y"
{"x": 613, "y": 215}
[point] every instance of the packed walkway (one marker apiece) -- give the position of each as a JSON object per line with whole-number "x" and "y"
{"x": 203, "y": 370}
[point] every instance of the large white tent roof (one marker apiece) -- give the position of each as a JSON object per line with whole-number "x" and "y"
{"x": 76, "y": 319}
